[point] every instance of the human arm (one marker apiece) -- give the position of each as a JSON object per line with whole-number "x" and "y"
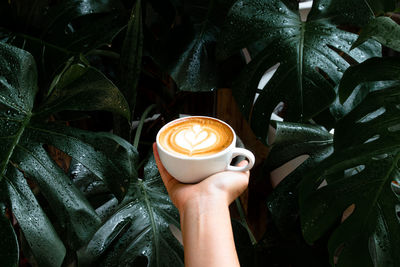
{"x": 205, "y": 219}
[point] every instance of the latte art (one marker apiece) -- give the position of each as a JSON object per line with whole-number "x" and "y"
{"x": 196, "y": 137}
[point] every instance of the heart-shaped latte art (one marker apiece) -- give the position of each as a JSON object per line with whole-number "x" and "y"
{"x": 195, "y": 137}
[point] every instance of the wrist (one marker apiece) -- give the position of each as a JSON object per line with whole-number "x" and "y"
{"x": 204, "y": 204}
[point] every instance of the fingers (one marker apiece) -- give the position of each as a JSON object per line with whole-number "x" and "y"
{"x": 243, "y": 163}
{"x": 168, "y": 180}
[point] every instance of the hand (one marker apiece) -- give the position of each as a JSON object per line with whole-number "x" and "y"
{"x": 223, "y": 186}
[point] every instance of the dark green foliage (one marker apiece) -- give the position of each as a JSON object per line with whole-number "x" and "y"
{"x": 55, "y": 32}
{"x": 294, "y": 140}
{"x": 371, "y": 70}
{"x": 140, "y": 227}
{"x": 24, "y": 132}
{"x": 382, "y": 29}
{"x": 131, "y": 56}
{"x": 311, "y": 55}
{"x": 191, "y": 59}
{"x": 111, "y": 217}
{"x": 359, "y": 172}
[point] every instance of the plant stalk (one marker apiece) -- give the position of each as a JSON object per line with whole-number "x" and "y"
{"x": 244, "y": 222}
{"x": 140, "y": 126}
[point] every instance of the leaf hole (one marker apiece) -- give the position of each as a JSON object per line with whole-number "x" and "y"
{"x": 396, "y": 188}
{"x": 354, "y": 170}
{"x": 304, "y": 9}
{"x": 373, "y": 138}
{"x": 62, "y": 159}
{"x": 326, "y": 76}
{"x": 268, "y": 75}
{"x": 398, "y": 106}
{"x": 397, "y": 208}
{"x": 176, "y": 233}
{"x": 372, "y": 115}
{"x": 380, "y": 157}
{"x": 283, "y": 171}
{"x": 337, "y": 253}
{"x": 394, "y": 128}
{"x": 343, "y": 55}
{"x": 280, "y": 109}
{"x": 324, "y": 183}
{"x": 347, "y": 212}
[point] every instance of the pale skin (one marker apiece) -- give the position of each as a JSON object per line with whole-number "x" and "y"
{"x": 204, "y": 214}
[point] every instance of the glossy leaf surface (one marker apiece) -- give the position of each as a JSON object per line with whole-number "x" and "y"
{"x": 188, "y": 53}
{"x": 382, "y": 29}
{"x": 311, "y": 55}
{"x": 139, "y": 228}
{"x": 54, "y": 32}
{"x": 371, "y": 70}
{"x": 294, "y": 140}
{"x": 359, "y": 174}
{"x": 131, "y": 55}
{"x": 24, "y": 133}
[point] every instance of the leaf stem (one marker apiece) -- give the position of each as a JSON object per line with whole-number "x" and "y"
{"x": 244, "y": 222}
{"x": 10, "y": 152}
{"x": 140, "y": 126}
{"x": 61, "y": 49}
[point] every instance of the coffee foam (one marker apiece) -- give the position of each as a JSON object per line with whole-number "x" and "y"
{"x": 196, "y": 137}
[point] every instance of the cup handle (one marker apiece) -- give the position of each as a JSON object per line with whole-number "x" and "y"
{"x": 237, "y": 151}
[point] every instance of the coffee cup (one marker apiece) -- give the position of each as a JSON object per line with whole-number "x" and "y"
{"x": 195, "y": 147}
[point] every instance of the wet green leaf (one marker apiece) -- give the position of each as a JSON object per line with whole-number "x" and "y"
{"x": 54, "y": 32}
{"x": 24, "y": 133}
{"x": 35, "y": 225}
{"x": 382, "y": 29}
{"x": 139, "y": 228}
{"x": 84, "y": 89}
{"x": 359, "y": 174}
{"x": 371, "y": 70}
{"x": 311, "y": 55}
{"x": 188, "y": 53}
{"x": 294, "y": 140}
{"x": 131, "y": 56}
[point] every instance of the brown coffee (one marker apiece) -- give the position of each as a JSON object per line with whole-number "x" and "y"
{"x": 196, "y": 137}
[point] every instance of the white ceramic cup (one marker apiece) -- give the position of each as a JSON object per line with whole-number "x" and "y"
{"x": 195, "y": 169}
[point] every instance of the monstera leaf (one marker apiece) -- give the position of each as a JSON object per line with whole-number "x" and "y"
{"x": 382, "y": 29}
{"x": 139, "y": 228}
{"x": 358, "y": 81}
{"x": 294, "y": 140}
{"x": 371, "y": 70}
{"x": 359, "y": 176}
{"x": 25, "y": 133}
{"x": 188, "y": 53}
{"x": 312, "y": 55}
{"x": 53, "y": 32}
{"x": 131, "y": 56}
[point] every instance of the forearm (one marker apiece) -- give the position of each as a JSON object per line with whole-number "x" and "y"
{"x": 207, "y": 234}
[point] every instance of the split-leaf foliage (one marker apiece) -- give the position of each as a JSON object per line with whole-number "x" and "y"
{"x": 104, "y": 214}
{"x": 312, "y": 55}
{"x": 25, "y": 130}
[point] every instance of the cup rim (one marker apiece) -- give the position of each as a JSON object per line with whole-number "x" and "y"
{"x": 231, "y": 145}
